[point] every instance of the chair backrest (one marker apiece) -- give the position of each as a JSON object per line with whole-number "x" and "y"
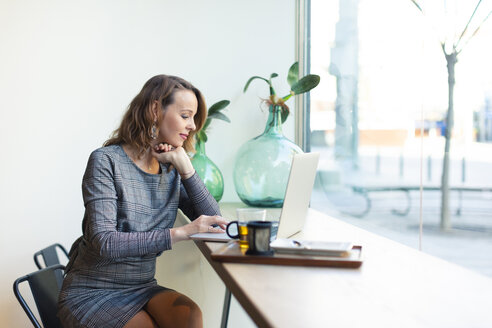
{"x": 49, "y": 255}
{"x": 45, "y": 286}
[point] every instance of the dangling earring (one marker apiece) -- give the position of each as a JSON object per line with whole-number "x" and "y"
{"x": 154, "y": 131}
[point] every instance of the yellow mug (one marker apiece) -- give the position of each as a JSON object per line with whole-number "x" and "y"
{"x": 241, "y": 232}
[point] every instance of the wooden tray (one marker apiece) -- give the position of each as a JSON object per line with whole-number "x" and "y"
{"x": 231, "y": 252}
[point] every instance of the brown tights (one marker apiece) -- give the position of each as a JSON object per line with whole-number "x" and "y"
{"x": 168, "y": 309}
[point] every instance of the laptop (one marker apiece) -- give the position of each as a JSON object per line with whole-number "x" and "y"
{"x": 296, "y": 200}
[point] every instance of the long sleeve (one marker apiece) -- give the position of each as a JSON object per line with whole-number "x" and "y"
{"x": 195, "y": 199}
{"x": 101, "y": 211}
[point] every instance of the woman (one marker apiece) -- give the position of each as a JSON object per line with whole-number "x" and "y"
{"x": 132, "y": 189}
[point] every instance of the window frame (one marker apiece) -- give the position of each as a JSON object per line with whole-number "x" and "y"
{"x": 303, "y": 56}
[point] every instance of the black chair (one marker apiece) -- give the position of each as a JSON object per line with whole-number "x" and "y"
{"x": 45, "y": 286}
{"x": 49, "y": 255}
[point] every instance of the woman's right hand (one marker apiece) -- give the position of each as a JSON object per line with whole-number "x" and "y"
{"x": 166, "y": 153}
{"x": 204, "y": 223}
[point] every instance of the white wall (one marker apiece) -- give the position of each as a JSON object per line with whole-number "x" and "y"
{"x": 68, "y": 69}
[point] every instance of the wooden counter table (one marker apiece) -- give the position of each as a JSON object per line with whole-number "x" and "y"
{"x": 396, "y": 286}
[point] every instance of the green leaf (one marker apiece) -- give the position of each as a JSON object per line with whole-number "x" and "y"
{"x": 202, "y": 136}
{"x": 285, "y": 98}
{"x": 207, "y": 123}
{"x": 219, "y": 116}
{"x": 305, "y": 84}
{"x": 198, "y": 137}
{"x": 285, "y": 113}
{"x": 218, "y": 106}
{"x": 293, "y": 75}
{"x": 272, "y": 91}
{"x": 213, "y": 113}
{"x": 417, "y": 5}
{"x": 251, "y": 79}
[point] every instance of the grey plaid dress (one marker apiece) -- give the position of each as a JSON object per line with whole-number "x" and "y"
{"x": 128, "y": 213}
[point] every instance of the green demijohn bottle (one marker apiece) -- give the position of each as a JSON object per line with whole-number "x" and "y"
{"x": 262, "y": 165}
{"x": 208, "y": 171}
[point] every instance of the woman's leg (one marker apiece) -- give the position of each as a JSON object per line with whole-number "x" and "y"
{"x": 172, "y": 309}
{"x": 141, "y": 320}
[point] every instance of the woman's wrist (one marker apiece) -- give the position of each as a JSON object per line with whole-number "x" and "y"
{"x": 178, "y": 234}
{"x": 184, "y": 167}
{"x": 187, "y": 175}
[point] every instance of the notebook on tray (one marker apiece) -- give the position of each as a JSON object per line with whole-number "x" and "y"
{"x": 296, "y": 200}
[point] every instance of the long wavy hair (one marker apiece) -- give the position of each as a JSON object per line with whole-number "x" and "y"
{"x": 136, "y": 126}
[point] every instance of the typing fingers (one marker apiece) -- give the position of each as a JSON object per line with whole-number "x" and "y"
{"x": 220, "y": 222}
{"x": 215, "y": 229}
{"x": 214, "y": 223}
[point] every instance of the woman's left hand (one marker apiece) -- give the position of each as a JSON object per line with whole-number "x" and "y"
{"x": 166, "y": 153}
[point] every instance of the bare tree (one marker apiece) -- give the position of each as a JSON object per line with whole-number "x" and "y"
{"x": 451, "y": 49}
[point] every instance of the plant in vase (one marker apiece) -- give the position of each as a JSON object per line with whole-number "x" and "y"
{"x": 206, "y": 169}
{"x": 262, "y": 165}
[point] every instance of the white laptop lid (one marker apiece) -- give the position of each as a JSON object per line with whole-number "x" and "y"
{"x": 298, "y": 194}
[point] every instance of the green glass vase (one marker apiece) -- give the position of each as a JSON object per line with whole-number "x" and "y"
{"x": 262, "y": 165}
{"x": 208, "y": 171}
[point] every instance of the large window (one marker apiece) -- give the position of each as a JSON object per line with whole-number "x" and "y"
{"x": 378, "y": 118}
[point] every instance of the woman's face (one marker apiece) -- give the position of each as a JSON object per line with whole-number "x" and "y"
{"x": 178, "y": 118}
